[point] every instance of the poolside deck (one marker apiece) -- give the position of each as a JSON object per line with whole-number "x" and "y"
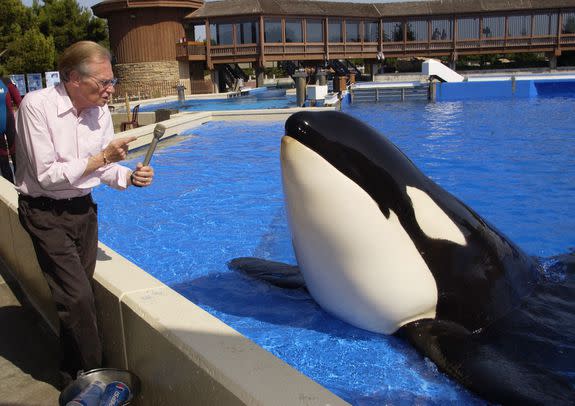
{"x": 28, "y": 351}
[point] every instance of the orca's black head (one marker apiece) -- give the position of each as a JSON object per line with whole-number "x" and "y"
{"x": 359, "y": 152}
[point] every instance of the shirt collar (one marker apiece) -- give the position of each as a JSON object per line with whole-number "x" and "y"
{"x": 63, "y": 101}
{"x": 64, "y": 104}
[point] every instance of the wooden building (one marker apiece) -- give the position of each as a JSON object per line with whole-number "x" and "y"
{"x": 258, "y": 32}
{"x": 143, "y": 38}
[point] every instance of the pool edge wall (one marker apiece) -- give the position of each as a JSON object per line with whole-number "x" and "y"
{"x": 182, "y": 354}
{"x": 523, "y": 87}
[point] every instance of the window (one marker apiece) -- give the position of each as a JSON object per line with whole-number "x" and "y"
{"x": 221, "y": 34}
{"x": 417, "y": 30}
{"x": 568, "y": 26}
{"x": 545, "y": 24}
{"x": 519, "y": 26}
{"x": 441, "y": 30}
{"x": 294, "y": 32}
{"x": 314, "y": 31}
{"x": 392, "y": 32}
{"x": 196, "y": 32}
{"x": 371, "y": 31}
{"x": 468, "y": 28}
{"x": 493, "y": 27}
{"x": 334, "y": 28}
{"x": 247, "y": 32}
{"x": 352, "y": 31}
{"x": 273, "y": 30}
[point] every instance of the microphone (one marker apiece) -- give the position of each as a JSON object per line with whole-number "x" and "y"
{"x": 159, "y": 131}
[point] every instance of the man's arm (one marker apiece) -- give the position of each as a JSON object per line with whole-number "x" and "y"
{"x": 115, "y": 151}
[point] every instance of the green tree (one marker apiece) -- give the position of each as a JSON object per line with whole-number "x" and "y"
{"x": 31, "y": 38}
{"x": 15, "y": 20}
{"x": 67, "y": 22}
{"x": 31, "y": 52}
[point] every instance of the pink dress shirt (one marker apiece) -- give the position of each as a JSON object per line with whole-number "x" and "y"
{"x": 54, "y": 143}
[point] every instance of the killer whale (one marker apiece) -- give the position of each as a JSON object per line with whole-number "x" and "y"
{"x": 383, "y": 247}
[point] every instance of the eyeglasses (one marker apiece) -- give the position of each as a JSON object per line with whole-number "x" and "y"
{"x": 105, "y": 83}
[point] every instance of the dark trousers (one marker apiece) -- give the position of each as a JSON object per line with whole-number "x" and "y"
{"x": 65, "y": 238}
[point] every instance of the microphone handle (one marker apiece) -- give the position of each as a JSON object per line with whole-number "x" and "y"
{"x": 150, "y": 152}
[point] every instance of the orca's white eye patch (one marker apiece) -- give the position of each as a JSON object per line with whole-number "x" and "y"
{"x": 432, "y": 219}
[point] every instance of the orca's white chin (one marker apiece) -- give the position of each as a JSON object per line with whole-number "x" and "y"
{"x": 357, "y": 264}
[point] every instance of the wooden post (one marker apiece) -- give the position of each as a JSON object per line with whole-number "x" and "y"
{"x": 283, "y": 29}
{"x": 209, "y": 63}
{"x": 559, "y": 28}
{"x": 404, "y": 23}
{"x": 455, "y": 33}
{"x": 381, "y": 33}
{"x": 429, "y": 34}
{"x": 325, "y": 38}
{"x": 505, "y": 33}
{"x": 532, "y": 29}
{"x": 262, "y": 58}
{"x": 480, "y": 30}
{"x": 128, "y": 113}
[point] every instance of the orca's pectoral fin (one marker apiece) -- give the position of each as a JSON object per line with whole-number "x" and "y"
{"x": 479, "y": 366}
{"x": 276, "y": 273}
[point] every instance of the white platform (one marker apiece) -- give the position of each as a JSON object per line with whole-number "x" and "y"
{"x": 432, "y": 67}
{"x": 316, "y": 92}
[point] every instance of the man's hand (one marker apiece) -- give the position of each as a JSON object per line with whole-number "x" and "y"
{"x": 117, "y": 149}
{"x": 142, "y": 175}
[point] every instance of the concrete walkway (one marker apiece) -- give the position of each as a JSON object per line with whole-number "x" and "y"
{"x": 28, "y": 351}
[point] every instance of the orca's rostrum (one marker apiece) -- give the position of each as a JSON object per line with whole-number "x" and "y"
{"x": 383, "y": 247}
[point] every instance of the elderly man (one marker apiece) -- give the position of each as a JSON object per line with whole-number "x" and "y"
{"x": 65, "y": 147}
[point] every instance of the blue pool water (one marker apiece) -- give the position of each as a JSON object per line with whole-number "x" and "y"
{"x": 218, "y": 196}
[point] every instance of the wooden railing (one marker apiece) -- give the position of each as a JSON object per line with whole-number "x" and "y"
{"x": 567, "y": 39}
{"x": 231, "y": 50}
{"x": 199, "y": 51}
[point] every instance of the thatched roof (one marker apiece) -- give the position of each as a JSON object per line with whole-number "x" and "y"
{"x": 233, "y": 8}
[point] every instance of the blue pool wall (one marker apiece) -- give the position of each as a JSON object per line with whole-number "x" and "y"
{"x": 482, "y": 90}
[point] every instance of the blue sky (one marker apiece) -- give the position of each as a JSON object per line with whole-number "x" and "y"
{"x": 89, "y": 3}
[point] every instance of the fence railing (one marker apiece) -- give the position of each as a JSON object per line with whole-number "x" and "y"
{"x": 139, "y": 91}
{"x": 271, "y": 50}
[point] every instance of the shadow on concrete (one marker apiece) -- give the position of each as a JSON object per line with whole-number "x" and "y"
{"x": 28, "y": 350}
{"x": 28, "y": 345}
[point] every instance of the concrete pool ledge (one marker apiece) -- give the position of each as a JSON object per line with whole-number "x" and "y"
{"x": 189, "y": 120}
{"x": 203, "y": 361}
{"x": 182, "y": 354}
{"x": 263, "y": 114}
